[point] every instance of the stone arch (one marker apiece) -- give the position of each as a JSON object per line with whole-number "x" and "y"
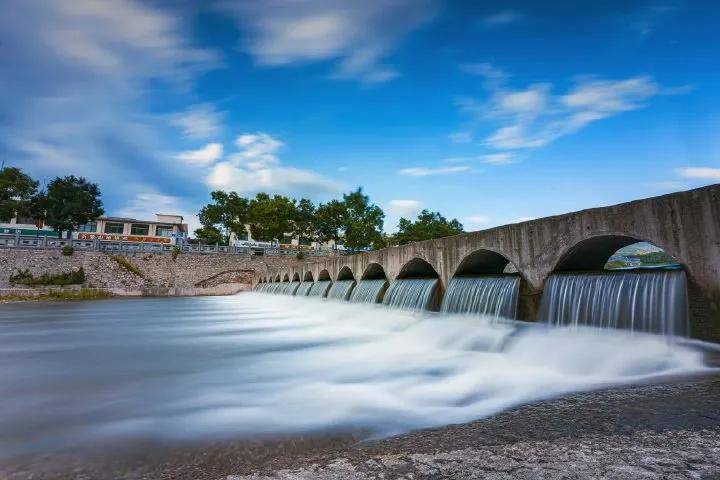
{"x": 374, "y": 271}
{"x": 296, "y": 277}
{"x": 484, "y": 262}
{"x": 417, "y": 268}
{"x": 308, "y": 277}
{"x": 277, "y": 277}
{"x": 345, "y": 274}
{"x": 324, "y": 275}
{"x": 592, "y": 253}
{"x": 286, "y": 278}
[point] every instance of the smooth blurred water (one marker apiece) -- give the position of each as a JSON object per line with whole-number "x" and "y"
{"x": 411, "y": 293}
{"x": 341, "y": 289}
{"x": 81, "y": 373}
{"x": 369, "y": 291}
{"x": 304, "y": 289}
{"x": 649, "y": 301}
{"x": 487, "y": 295}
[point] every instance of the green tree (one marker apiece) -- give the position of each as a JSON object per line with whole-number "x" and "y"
{"x": 363, "y": 221}
{"x": 209, "y": 235}
{"x": 330, "y": 221}
{"x": 16, "y": 190}
{"x": 72, "y": 201}
{"x": 304, "y": 224}
{"x": 228, "y": 214}
{"x": 270, "y": 218}
{"x": 428, "y": 225}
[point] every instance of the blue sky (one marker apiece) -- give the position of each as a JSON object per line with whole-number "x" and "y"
{"x": 490, "y": 112}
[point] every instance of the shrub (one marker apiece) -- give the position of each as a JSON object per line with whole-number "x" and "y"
{"x": 68, "y": 250}
{"x": 24, "y": 277}
{"x": 300, "y": 255}
{"x": 175, "y": 252}
{"x": 125, "y": 263}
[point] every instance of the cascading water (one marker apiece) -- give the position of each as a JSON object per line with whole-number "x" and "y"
{"x": 411, "y": 293}
{"x": 639, "y": 301}
{"x": 341, "y": 289}
{"x": 291, "y": 288}
{"x": 303, "y": 289}
{"x": 487, "y": 295}
{"x": 319, "y": 288}
{"x": 369, "y": 291}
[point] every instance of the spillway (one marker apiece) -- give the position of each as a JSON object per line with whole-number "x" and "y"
{"x": 369, "y": 291}
{"x": 487, "y": 295}
{"x": 653, "y": 301}
{"x": 320, "y": 288}
{"x": 303, "y": 289}
{"x": 341, "y": 289}
{"x": 411, "y": 293}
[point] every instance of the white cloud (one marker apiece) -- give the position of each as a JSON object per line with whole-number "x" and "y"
{"x": 200, "y": 121}
{"x": 700, "y": 173}
{"x": 505, "y": 17}
{"x": 356, "y": 35}
{"x": 424, "y": 172}
{"x": 210, "y": 153}
{"x": 460, "y": 137}
{"x": 404, "y": 208}
{"x": 502, "y": 158}
{"x": 534, "y": 116}
{"x": 256, "y": 167}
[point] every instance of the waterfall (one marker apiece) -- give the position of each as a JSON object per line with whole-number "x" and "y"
{"x": 292, "y": 288}
{"x": 369, "y": 291}
{"x": 411, "y": 293}
{"x": 486, "y": 295}
{"x": 304, "y": 289}
{"x": 639, "y": 301}
{"x": 341, "y": 289}
{"x": 319, "y": 288}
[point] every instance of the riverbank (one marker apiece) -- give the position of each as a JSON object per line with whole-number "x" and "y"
{"x": 643, "y": 431}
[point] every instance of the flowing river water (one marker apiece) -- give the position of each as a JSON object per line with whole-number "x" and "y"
{"x": 80, "y": 374}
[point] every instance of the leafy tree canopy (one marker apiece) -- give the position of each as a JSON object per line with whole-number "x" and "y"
{"x": 72, "y": 201}
{"x": 228, "y": 213}
{"x": 304, "y": 225}
{"x": 428, "y": 225}
{"x": 271, "y": 217}
{"x": 16, "y": 191}
{"x": 209, "y": 235}
{"x": 363, "y": 221}
{"x": 330, "y": 221}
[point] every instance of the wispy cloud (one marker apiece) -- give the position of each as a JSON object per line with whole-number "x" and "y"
{"x": 425, "y": 171}
{"x": 205, "y": 156}
{"x": 503, "y": 158}
{"x": 356, "y": 35}
{"x": 699, "y": 173}
{"x": 255, "y": 167}
{"x": 404, "y": 208}
{"x": 647, "y": 20}
{"x": 505, "y": 17}
{"x": 535, "y": 116}
{"x": 199, "y": 121}
{"x": 477, "y": 221}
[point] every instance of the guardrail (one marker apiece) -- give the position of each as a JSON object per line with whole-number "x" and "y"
{"x": 23, "y": 241}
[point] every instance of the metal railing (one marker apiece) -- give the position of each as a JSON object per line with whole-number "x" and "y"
{"x": 30, "y": 242}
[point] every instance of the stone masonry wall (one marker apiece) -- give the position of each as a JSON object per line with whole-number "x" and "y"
{"x": 159, "y": 270}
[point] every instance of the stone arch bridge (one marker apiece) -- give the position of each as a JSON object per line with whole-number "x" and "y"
{"x": 686, "y": 225}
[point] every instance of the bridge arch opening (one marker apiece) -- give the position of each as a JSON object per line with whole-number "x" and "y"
{"x": 618, "y": 281}
{"x": 417, "y": 268}
{"x": 324, "y": 275}
{"x": 277, "y": 277}
{"x": 374, "y": 271}
{"x": 345, "y": 274}
{"x": 286, "y": 278}
{"x": 308, "y": 276}
{"x": 296, "y": 277}
{"x": 483, "y": 262}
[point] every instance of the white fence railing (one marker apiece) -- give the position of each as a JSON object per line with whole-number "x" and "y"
{"x": 24, "y": 241}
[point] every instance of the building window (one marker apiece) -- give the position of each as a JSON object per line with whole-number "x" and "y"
{"x": 140, "y": 229}
{"x": 88, "y": 227}
{"x": 163, "y": 231}
{"x": 111, "y": 227}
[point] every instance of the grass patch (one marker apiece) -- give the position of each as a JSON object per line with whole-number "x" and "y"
{"x": 24, "y": 277}
{"x": 60, "y": 294}
{"x": 127, "y": 265}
